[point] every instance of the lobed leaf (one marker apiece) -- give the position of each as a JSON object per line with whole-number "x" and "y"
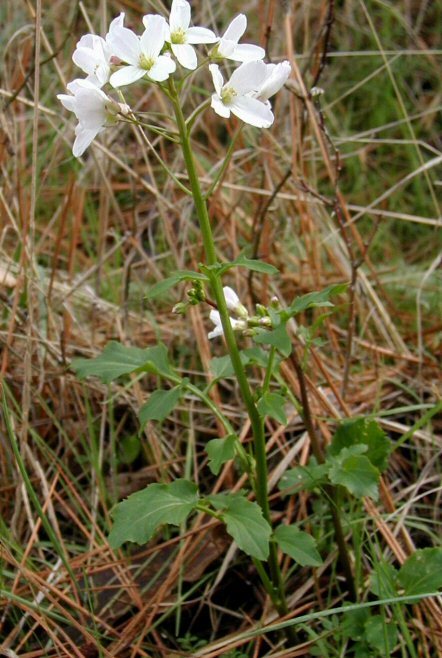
{"x": 244, "y": 523}
{"x": 363, "y": 431}
{"x": 220, "y": 451}
{"x": 355, "y": 472}
{"x": 303, "y": 477}
{"x": 298, "y": 544}
{"x": 159, "y": 405}
{"x": 272, "y": 404}
{"x": 138, "y": 517}
{"x": 422, "y": 572}
{"x": 117, "y": 359}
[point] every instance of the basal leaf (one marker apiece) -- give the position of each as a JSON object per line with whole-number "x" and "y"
{"x": 422, "y": 572}
{"x": 117, "y": 359}
{"x": 303, "y": 477}
{"x": 314, "y": 299}
{"x": 129, "y": 447}
{"x": 159, "y": 405}
{"x": 383, "y": 580}
{"x": 137, "y": 518}
{"x": 363, "y": 431}
{"x": 355, "y": 472}
{"x": 272, "y": 404}
{"x": 380, "y": 635}
{"x": 220, "y": 451}
{"x": 298, "y": 544}
{"x": 245, "y": 523}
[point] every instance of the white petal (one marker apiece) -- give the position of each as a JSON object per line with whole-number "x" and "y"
{"x": 154, "y": 36}
{"x": 200, "y": 35}
{"x": 83, "y": 139}
{"x": 116, "y": 23}
{"x": 232, "y": 299}
{"x": 79, "y": 83}
{"x": 252, "y": 111}
{"x": 162, "y": 68}
{"x": 277, "y": 75}
{"x": 126, "y": 76}
{"x": 125, "y": 45}
{"x": 179, "y": 15}
{"x": 88, "y": 60}
{"x": 91, "y": 108}
{"x": 236, "y": 28}
{"x": 185, "y": 54}
{"x": 67, "y": 101}
{"x": 217, "y": 78}
{"x": 219, "y": 107}
{"x": 215, "y": 318}
{"x": 225, "y": 47}
{"x": 218, "y": 331}
{"x": 247, "y": 52}
{"x": 248, "y": 77}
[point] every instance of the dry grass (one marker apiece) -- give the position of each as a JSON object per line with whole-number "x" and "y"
{"x": 340, "y": 189}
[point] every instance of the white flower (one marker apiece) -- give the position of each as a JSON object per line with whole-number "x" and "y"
{"x": 181, "y": 36}
{"x": 233, "y": 303}
{"x": 142, "y": 54}
{"x": 228, "y": 44}
{"x": 94, "y": 110}
{"x": 237, "y": 95}
{"x": 237, "y": 325}
{"x": 93, "y": 54}
{"x": 276, "y": 76}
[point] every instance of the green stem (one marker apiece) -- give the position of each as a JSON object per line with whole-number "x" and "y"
{"x": 268, "y": 375}
{"x": 260, "y": 482}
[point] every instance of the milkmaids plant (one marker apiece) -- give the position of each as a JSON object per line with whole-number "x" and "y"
{"x": 164, "y": 54}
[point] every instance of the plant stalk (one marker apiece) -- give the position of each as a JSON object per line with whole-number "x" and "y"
{"x": 277, "y": 593}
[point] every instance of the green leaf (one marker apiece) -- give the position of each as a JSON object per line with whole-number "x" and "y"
{"x": 250, "y": 264}
{"x": 245, "y": 523}
{"x": 117, "y": 359}
{"x": 355, "y": 472}
{"x": 272, "y": 404}
{"x": 256, "y": 356}
{"x": 314, "y": 299}
{"x": 222, "y": 368}
{"x": 363, "y": 431}
{"x": 353, "y": 624}
{"x": 298, "y": 544}
{"x": 383, "y": 580}
{"x": 278, "y": 338}
{"x": 380, "y": 635}
{"x": 422, "y": 571}
{"x": 137, "y": 518}
{"x": 220, "y": 451}
{"x": 303, "y": 477}
{"x": 362, "y": 650}
{"x": 181, "y": 275}
{"x": 129, "y": 448}
{"x": 159, "y": 405}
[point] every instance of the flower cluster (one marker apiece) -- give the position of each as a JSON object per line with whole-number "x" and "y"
{"x": 242, "y": 321}
{"x": 123, "y": 57}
